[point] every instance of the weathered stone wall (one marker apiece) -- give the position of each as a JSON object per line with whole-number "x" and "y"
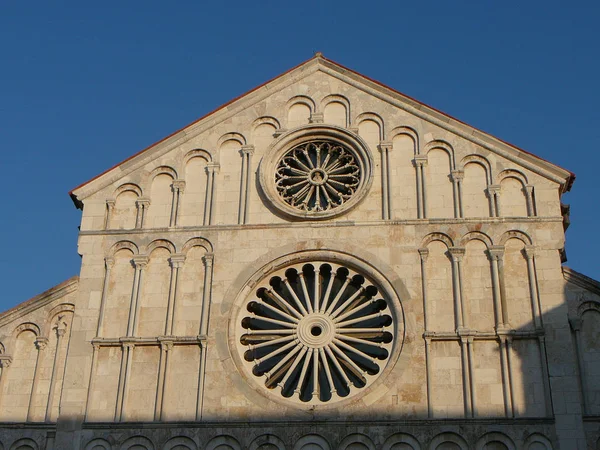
{"x": 466, "y": 237}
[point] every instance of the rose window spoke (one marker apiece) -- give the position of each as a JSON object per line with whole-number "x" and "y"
{"x": 316, "y": 332}
{"x": 317, "y": 176}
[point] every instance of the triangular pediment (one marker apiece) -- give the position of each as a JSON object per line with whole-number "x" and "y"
{"x": 349, "y": 77}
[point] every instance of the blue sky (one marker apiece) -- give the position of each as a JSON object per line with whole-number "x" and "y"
{"x": 83, "y": 85}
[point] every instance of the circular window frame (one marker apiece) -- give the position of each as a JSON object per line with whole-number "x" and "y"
{"x": 305, "y": 134}
{"x": 372, "y": 275}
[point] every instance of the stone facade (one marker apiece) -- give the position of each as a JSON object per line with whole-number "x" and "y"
{"x": 322, "y": 263}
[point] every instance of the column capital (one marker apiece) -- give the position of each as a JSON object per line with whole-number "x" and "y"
{"x": 208, "y": 259}
{"x": 495, "y": 252}
{"x": 140, "y": 261}
{"x": 41, "y": 343}
{"x": 457, "y": 174}
{"x": 109, "y": 261}
{"x": 96, "y": 346}
{"x": 316, "y": 118}
{"x": 166, "y": 344}
{"x": 530, "y": 251}
{"x": 575, "y": 323}
{"x": 247, "y": 150}
{"x": 423, "y": 253}
{"x": 178, "y": 185}
{"x": 529, "y": 188}
{"x": 278, "y": 132}
{"x": 5, "y": 361}
{"x": 110, "y": 203}
{"x": 176, "y": 260}
{"x": 385, "y": 145}
{"x": 142, "y": 202}
{"x": 212, "y": 167}
{"x": 457, "y": 253}
{"x": 420, "y": 160}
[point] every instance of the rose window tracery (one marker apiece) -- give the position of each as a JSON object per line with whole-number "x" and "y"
{"x": 316, "y": 332}
{"x": 317, "y": 176}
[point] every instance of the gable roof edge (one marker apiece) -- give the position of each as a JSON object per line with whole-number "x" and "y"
{"x": 533, "y": 162}
{"x": 579, "y": 279}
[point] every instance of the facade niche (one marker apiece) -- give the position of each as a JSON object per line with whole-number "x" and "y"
{"x": 161, "y": 201}
{"x": 439, "y": 188}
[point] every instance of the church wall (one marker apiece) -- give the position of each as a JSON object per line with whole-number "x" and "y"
{"x": 454, "y": 185}
{"x": 468, "y": 240}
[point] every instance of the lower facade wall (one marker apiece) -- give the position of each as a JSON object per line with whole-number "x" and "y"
{"x": 533, "y": 434}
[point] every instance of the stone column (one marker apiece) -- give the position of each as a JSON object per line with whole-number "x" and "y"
{"x": 420, "y": 162}
{"x": 424, "y": 253}
{"x": 428, "y": 376}
{"x": 529, "y": 199}
{"x": 60, "y": 329}
{"x": 384, "y": 148}
{"x": 163, "y": 378}
{"x": 545, "y": 376}
{"x": 109, "y": 262}
{"x": 142, "y": 205}
{"x": 247, "y": 151}
{"x": 507, "y": 389}
{"x": 139, "y": 262}
{"x": 201, "y": 377}
{"x": 211, "y": 169}
{"x": 110, "y": 206}
{"x": 576, "y": 323}
{"x": 41, "y": 343}
{"x": 495, "y": 253}
{"x": 470, "y": 350}
{"x": 457, "y": 254}
{"x": 457, "y": 177}
{"x": 91, "y": 384}
{"x": 509, "y": 340}
{"x": 176, "y": 262}
{"x": 529, "y": 252}
{"x": 466, "y": 379}
{"x": 124, "y": 372}
{"x": 5, "y": 361}
{"x": 207, "y": 292}
{"x": 177, "y": 187}
{"x": 493, "y": 192}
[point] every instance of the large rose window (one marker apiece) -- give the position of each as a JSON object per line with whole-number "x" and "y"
{"x": 315, "y": 332}
{"x": 317, "y": 176}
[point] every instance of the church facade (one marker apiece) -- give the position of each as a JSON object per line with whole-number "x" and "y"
{"x": 323, "y": 263}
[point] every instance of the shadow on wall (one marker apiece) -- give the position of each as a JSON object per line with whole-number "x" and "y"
{"x": 525, "y": 419}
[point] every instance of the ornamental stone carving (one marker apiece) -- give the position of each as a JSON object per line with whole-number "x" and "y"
{"x": 316, "y": 172}
{"x": 316, "y": 332}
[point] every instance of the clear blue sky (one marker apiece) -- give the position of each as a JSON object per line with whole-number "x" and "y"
{"x": 84, "y": 85}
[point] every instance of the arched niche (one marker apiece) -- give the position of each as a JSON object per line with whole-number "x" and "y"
{"x": 495, "y": 441}
{"x": 118, "y": 293}
{"x": 401, "y": 441}
{"x": 513, "y": 197}
{"x": 356, "y": 441}
{"x": 448, "y": 441}
{"x": 439, "y": 188}
{"x": 24, "y": 444}
{"x": 98, "y": 444}
{"x": 154, "y": 293}
{"x": 312, "y": 442}
{"x": 336, "y": 110}
{"x": 299, "y": 110}
{"x": 438, "y": 267}
{"x": 161, "y": 197}
{"x": 590, "y": 342}
{"x": 180, "y": 443}
{"x": 477, "y": 283}
{"x": 537, "y": 441}
{"x": 403, "y": 194}
{"x": 193, "y": 200}
{"x": 267, "y": 442}
{"x": 137, "y": 443}
{"x": 223, "y": 443}
{"x": 474, "y": 189}
{"x": 124, "y": 213}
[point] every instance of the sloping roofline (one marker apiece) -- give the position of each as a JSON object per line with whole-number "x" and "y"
{"x": 569, "y": 179}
